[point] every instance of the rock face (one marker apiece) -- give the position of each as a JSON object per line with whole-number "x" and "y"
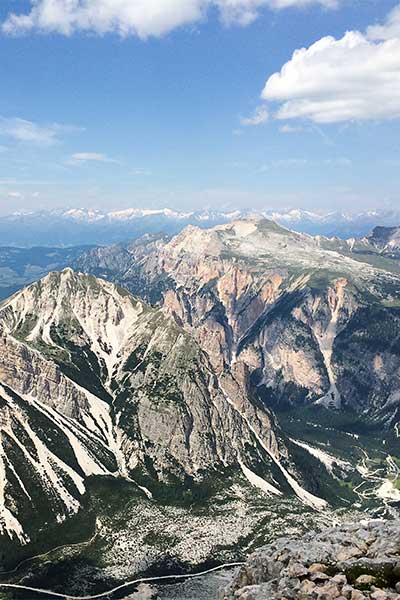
{"x": 386, "y": 240}
{"x": 294, "y": 317}
{"x": 94, "y": 382}
{"x": 355, "y": 561}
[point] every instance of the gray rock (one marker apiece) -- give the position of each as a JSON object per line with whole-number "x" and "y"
{"x": 315, "y": 567}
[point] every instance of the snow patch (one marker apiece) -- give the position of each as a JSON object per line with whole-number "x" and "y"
{"x": 9, "y": 524}
{"x": 258, "y": 482}
{"x": 306, "y": 497}
{"x": 326, "y": 459}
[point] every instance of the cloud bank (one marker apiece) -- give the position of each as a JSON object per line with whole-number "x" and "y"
{"x": 142, "y": 18}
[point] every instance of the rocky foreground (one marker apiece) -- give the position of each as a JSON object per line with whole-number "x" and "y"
{"x": 354, "y": 561}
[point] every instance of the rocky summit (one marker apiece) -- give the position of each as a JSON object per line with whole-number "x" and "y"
{"x": 352, "y": 561}
{"x": 94, "y": 383}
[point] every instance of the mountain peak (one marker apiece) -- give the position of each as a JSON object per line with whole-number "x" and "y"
{"x": 79, "y": 307}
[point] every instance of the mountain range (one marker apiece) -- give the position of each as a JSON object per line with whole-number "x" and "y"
{"x": 283, "y": 305}
{"x": 177, "y": 400}
{"x": 68, "y": 227}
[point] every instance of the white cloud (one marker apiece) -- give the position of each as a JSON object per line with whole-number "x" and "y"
{"x": 354, "y": 78}
{"x": 15, "y": 195}
{"x": 79, "y": 157}
{"x": 142, "y": 18}
{"x": 259, "y": 117}
{"x": 390, "y": 30}
{"x": 244, "y": 12}
{"x": 27, "y": 131}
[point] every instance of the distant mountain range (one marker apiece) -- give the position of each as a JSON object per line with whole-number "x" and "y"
{"x": 22, "y": 266}
{"x": 71, "y": 227}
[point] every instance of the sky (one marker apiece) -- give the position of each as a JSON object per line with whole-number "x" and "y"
{"x": 194, "y": 104}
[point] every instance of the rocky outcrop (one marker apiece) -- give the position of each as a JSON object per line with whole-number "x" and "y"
{"x": 354, "y": 562}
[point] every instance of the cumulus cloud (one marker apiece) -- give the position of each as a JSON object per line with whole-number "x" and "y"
{"x": 259, "y": 117}
{"x": 356, "y": 77}
{"x": 21, "y": 130}
{"x": 142, "y": 18}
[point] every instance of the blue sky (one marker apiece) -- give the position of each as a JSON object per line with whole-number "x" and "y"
{"x": 117, "y": 113}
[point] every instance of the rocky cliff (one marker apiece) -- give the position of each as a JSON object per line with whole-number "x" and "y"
{"x": 299, "y": 315}
{"x": 94, "y": 382}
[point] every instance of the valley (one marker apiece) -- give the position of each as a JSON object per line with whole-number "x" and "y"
{"x": 124, "y": 542}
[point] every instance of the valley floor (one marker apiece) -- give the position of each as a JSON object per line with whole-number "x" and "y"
{"x": 145, "y": 538}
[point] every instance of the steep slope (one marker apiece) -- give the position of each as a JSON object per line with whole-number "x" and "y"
{"x": 297, "y": 313}
{"x": 94, "y": 382}
{"x": 131, "y": 265}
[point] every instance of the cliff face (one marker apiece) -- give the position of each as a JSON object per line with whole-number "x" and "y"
{"x": 297, "y": 312}
{"x": 355, "y": 561}
{"x": 95, "y": 382}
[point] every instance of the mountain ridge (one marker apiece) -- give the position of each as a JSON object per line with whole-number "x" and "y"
{"x": 224, "y": 284}
{"x": 147, "y": 407}
{"x": 67, "y": 227}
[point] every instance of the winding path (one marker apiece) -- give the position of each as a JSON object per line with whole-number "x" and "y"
{"x": 45, "y": 554}
{"x": 15, "y": 586}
